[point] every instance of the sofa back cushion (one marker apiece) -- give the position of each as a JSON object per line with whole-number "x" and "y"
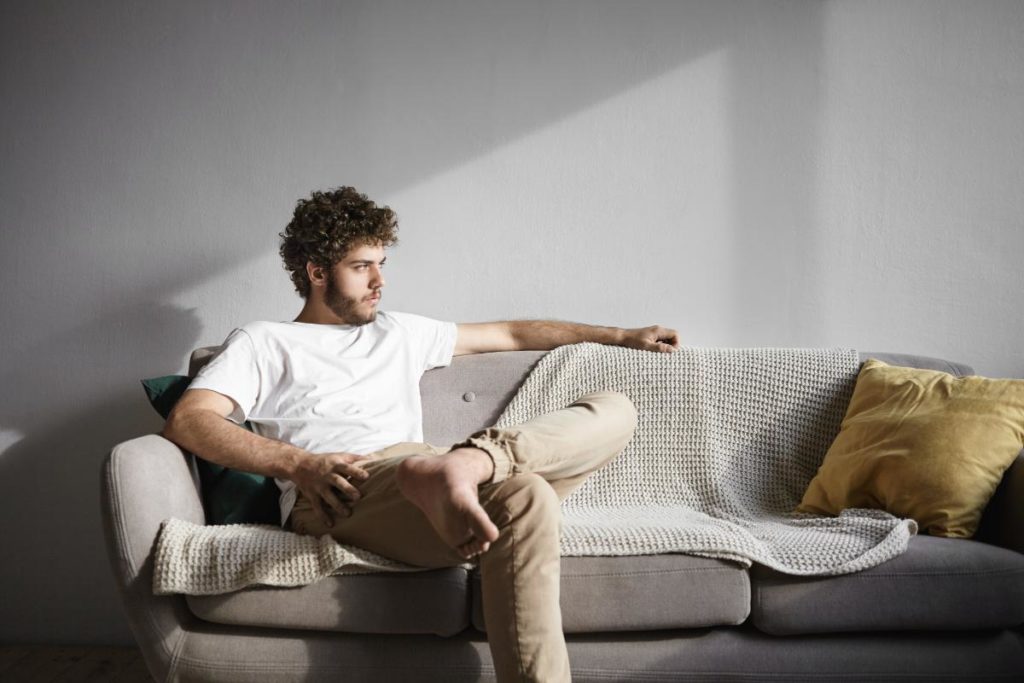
{"x": 471, "y": 393}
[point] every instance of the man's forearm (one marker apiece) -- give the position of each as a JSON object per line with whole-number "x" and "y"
{"x": 222, "y": 442}
{"x": 544, "y": 335}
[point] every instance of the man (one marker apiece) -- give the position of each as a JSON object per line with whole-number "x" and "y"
{"x": 333, "y": 397}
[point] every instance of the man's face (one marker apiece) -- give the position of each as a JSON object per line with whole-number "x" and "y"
{"x": 354, "y": 285}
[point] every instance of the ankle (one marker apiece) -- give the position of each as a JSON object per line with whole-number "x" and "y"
{"x": 479, "y": 459}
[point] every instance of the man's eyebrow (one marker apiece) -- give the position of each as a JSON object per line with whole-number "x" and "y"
{"x": 361, "y": 261}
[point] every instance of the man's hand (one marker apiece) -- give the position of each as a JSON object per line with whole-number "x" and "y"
{"x": 653, "y": 338}
{"x": 330, "y": 478}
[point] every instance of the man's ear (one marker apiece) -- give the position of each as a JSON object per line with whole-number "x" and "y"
{"x": 317, "y": 274}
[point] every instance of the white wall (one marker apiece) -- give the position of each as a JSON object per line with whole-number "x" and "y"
{"x": 751, "y": 173}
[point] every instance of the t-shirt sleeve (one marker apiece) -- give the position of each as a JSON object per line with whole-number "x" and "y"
{"x": 441, "y": 344}
{"x": 234, "y": 373}
{"x": 434, "y": 338}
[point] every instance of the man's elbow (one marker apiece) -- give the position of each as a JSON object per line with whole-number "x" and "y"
{"x": 172, "y": 426}
{"x": 513, "y": 337}
{"x": 178, "y": 425}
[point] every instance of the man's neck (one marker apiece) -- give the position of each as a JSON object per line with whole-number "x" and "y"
{"x": 317, "y": 314}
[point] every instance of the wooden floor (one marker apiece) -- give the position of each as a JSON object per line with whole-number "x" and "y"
{"x": 72, "y": 664}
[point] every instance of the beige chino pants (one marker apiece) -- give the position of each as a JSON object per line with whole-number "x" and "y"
{"x": 537, "y": 464}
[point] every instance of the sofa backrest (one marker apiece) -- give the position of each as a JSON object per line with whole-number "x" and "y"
{"x": 471, "y": 393}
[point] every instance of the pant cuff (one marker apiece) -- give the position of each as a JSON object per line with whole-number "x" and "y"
{"x": 496, "y": 446}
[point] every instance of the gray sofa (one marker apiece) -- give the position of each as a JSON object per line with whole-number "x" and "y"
{"x": 945, "y": 610}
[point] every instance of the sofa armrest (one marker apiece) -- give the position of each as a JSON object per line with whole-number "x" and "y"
{"x": 144, "y": 481}
{"x": 1003, "y": 521}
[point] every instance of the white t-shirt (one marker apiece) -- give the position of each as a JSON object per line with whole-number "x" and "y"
{"x": 330, "y": 388}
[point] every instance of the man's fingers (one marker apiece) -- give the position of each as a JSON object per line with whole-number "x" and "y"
{"x": 345, "y": 486}
{"x": 357, "y": 472}
{"x": 666, "y": 334}
{"x": 351, "y": 471}
{"x": 653, "y": 338}
{"x": 336, "y": 503}
{"x": 356, "y": 475}
{"x": 321, "y": 514}
{"x": 666, "y": 339}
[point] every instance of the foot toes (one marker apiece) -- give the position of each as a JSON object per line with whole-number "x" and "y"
{"x": 471, "y": 549}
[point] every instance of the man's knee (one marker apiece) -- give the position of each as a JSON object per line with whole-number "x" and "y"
{"x": 525, "y": 496}
{"x": 615, "y": 409}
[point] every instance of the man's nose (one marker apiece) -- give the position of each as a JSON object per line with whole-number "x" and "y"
{"x": 378, "y": 278}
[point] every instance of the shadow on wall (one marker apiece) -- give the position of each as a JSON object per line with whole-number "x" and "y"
{"x": 221, "y": 114}
{"x": 70, "y": 417}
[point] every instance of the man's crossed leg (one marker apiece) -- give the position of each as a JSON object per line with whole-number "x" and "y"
{"x": 495, "y": 495}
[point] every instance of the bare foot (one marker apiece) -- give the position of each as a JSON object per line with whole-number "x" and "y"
{"x": 444, "y": 487}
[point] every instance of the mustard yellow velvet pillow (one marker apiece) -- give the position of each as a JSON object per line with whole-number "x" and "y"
{"x": 921, "y": 444}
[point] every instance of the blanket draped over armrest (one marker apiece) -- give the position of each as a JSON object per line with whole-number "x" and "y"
{"x": 726, "y": 442}
{"x": 198, "y": 559}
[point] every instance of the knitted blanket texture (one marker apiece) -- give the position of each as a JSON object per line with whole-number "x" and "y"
{"x": 726, "y": 442}
{"x": 196, "y": 559}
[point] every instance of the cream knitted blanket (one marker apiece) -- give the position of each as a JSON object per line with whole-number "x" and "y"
{"x": 727, "y": 441}
{"x": 207, "y": 560}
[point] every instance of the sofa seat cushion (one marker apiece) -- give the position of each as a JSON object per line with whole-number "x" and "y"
{"x": 646, "y": 592}
{"x": 937, "y": 584}
{"x": 434, "y": 602}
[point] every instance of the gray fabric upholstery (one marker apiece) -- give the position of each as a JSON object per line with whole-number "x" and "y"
{"x": 231, "y": 654}
{"x": 937, "y": 584}
{"x": 913, "y": 361}
{"x": 424, "y": 602}
{"x": 143, "y": 482}
{"x": 471, "y": 393}
{"x": 733, "y": 655}
{"x": 645, "y": 593}
{"x": 742, "y": 654}
{"x": 201, "y": 357}
{"x": 149, "y": 479}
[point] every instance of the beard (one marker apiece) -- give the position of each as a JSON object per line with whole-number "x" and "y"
{"x": 346, "y": 308}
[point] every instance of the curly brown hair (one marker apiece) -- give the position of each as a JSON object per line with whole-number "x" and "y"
{"x": 328, "y": 224}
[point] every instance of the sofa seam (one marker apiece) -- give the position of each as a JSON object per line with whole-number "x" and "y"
{"x": 755, "y": 589}
{"x": 648, "y": 572}
{"x": 204, "y": 665}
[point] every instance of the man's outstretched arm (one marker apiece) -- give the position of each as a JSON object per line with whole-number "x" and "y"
{"x": 544, "y": 335}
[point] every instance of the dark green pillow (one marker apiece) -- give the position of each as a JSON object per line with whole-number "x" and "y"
{"x": 229, "y": 496}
